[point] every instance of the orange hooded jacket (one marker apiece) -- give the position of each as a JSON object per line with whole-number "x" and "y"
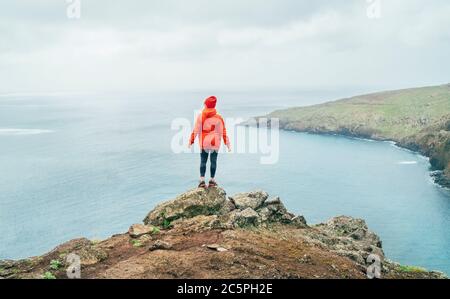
{"x": 210, "y": 127}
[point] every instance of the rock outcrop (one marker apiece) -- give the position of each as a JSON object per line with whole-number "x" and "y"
{"x": 190, "y": 204}
{"x": 138, "y": 230}
{"x": 240, "y": 210}
{"x": 205, "y": 234}
{"x": 348, "y": 237}
{"x": 345, "y": 236}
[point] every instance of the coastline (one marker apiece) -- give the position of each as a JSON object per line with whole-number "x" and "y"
{"x": 416, "y": 119}
{"x": 438, "y": 176}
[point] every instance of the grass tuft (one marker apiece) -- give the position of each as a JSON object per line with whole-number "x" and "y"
{"x": 48, "y": 275}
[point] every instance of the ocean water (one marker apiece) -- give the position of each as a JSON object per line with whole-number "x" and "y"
{"x": 92, "y": 165}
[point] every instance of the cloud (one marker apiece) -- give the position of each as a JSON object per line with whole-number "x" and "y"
{"x": 146, "y": 45}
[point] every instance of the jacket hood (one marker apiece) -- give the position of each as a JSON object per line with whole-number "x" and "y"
{"x": 209, "y": 112}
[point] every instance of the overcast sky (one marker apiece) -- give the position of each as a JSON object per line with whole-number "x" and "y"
{"x": 144, "y": 45}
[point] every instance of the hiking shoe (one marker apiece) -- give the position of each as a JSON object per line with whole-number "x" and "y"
{"x": 202, "y": 184}
{"x": 212, "y": 184}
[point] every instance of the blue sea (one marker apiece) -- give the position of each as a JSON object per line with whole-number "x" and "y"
{"x": 93, "y": 164}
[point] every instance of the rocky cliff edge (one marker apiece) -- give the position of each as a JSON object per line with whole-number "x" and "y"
{"x": 205, "y": 234}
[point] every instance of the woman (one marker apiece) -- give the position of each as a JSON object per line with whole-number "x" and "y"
{"x": 210, "y": 127}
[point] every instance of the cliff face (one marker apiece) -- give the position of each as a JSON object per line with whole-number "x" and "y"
{"x": 434, "y": 143}
{"x": 204, "y": 234}
{"x": 417, "y": 119}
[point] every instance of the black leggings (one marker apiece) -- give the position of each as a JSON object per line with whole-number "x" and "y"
{"x": 204, "y": 158}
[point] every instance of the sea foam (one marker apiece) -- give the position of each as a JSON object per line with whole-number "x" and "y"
{"x": 15, "y": 132}
{"x": 407, "y": 162}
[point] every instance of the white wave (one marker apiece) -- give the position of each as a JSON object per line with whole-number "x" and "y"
{"x": 407, "y": 162}
{"x": 15, "y": 132}
{"x": 44, "y": 94}
{"x": 393, "y": 143}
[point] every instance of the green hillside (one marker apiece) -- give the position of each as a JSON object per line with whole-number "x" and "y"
{"x": 417, "y": 118}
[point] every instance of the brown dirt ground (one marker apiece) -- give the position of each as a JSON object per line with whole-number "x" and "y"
{"x": 279, "y": 252}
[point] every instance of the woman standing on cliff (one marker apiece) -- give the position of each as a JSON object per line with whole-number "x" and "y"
{"x": 210, "y": 127}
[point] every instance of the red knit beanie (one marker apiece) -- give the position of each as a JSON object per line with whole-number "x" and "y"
{"x": 211, "y": 102}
